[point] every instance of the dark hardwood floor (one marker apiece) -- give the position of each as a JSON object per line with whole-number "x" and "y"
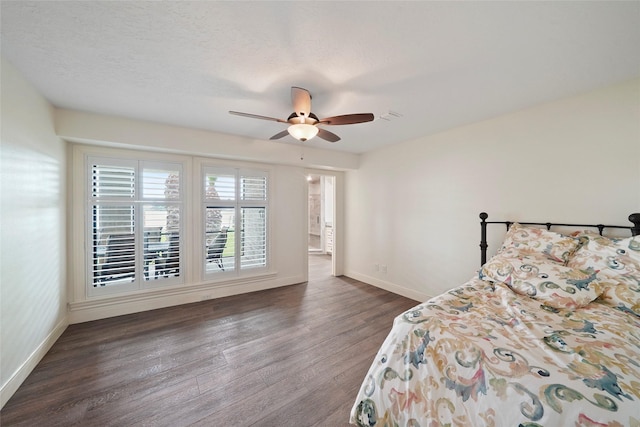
{"x": 292, "y": 356}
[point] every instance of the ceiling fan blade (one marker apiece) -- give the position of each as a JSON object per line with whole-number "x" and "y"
{"x": 301, "y": 101}
{"x": 255, "y": 116}
{"x": 327, "y": 136}
{"x": 347, "y": 119}
{"x": 280, "y": 134}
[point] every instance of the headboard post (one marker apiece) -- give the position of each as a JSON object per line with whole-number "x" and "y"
{"x": 635, "y": 219}
{"x": 483, "y": 238}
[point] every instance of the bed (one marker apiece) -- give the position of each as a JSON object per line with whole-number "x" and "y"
{"x": 547, "y": 333}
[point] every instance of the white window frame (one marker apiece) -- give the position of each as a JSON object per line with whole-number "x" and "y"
{"x": 237, "y": 204}
{"x": 138, "y": 202}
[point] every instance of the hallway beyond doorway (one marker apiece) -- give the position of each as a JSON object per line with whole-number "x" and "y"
{"x": 321, "y": 213}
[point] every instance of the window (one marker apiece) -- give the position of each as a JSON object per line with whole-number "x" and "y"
{"x": 136, "y": 230}
{"x": 235, "y": 212}
{"x": 134, "y": 224}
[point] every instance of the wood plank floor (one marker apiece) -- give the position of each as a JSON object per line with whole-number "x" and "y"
{"x": 292, "y": 356}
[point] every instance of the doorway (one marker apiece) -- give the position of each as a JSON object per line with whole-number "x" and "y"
{"x": 321, "y": 213}
{"x": 321, "y": 217}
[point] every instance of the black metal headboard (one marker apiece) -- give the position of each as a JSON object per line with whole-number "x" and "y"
{"x": 634, "y": 218}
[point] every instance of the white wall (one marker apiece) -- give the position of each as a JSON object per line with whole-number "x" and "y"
{"x": 96, "y": 129}
{"x": 288, "y": 208}
{"x": 414, "y": 207}
{"x": 327, "y": 202}
{"x": 33, "y": 253}
{"x": 288, "y": 221}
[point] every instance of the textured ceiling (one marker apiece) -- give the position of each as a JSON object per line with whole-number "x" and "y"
{"x": 438, "y": 64}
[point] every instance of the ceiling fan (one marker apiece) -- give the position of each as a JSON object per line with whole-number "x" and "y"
{"x": 303, "y": 124}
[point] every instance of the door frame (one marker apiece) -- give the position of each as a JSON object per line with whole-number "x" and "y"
{"x": 337, "y": 254}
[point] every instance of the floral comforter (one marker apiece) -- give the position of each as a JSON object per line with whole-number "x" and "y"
{"x": 484, "y": 355}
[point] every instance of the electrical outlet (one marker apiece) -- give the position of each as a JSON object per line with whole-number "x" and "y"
{"x": 205, "y": 297}
{"x": 383, "y": 268}
{"x": 376, "y": 267}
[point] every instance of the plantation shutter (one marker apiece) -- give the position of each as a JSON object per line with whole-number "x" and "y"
{"x": 112, "y": 210}
{"x": 135, "y": 230}
{"x": 253, "y": 216}
{"x": 235, "y": 211}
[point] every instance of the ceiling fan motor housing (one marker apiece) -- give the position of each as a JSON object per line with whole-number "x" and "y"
{"x": 311, "y": 119}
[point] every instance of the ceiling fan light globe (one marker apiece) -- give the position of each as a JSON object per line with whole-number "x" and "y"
{"x": 302, "y": 131}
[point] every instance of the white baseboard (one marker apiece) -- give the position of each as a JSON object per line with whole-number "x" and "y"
{"x": 388, "y": 286}
{"x": 101, "y": 308}
{"x": 18, "y": 377}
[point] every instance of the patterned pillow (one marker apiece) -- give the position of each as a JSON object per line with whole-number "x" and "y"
{"x": 524, "y": 241}
{"x": 552, "y": 284}
{"x": 616, "y": 259}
